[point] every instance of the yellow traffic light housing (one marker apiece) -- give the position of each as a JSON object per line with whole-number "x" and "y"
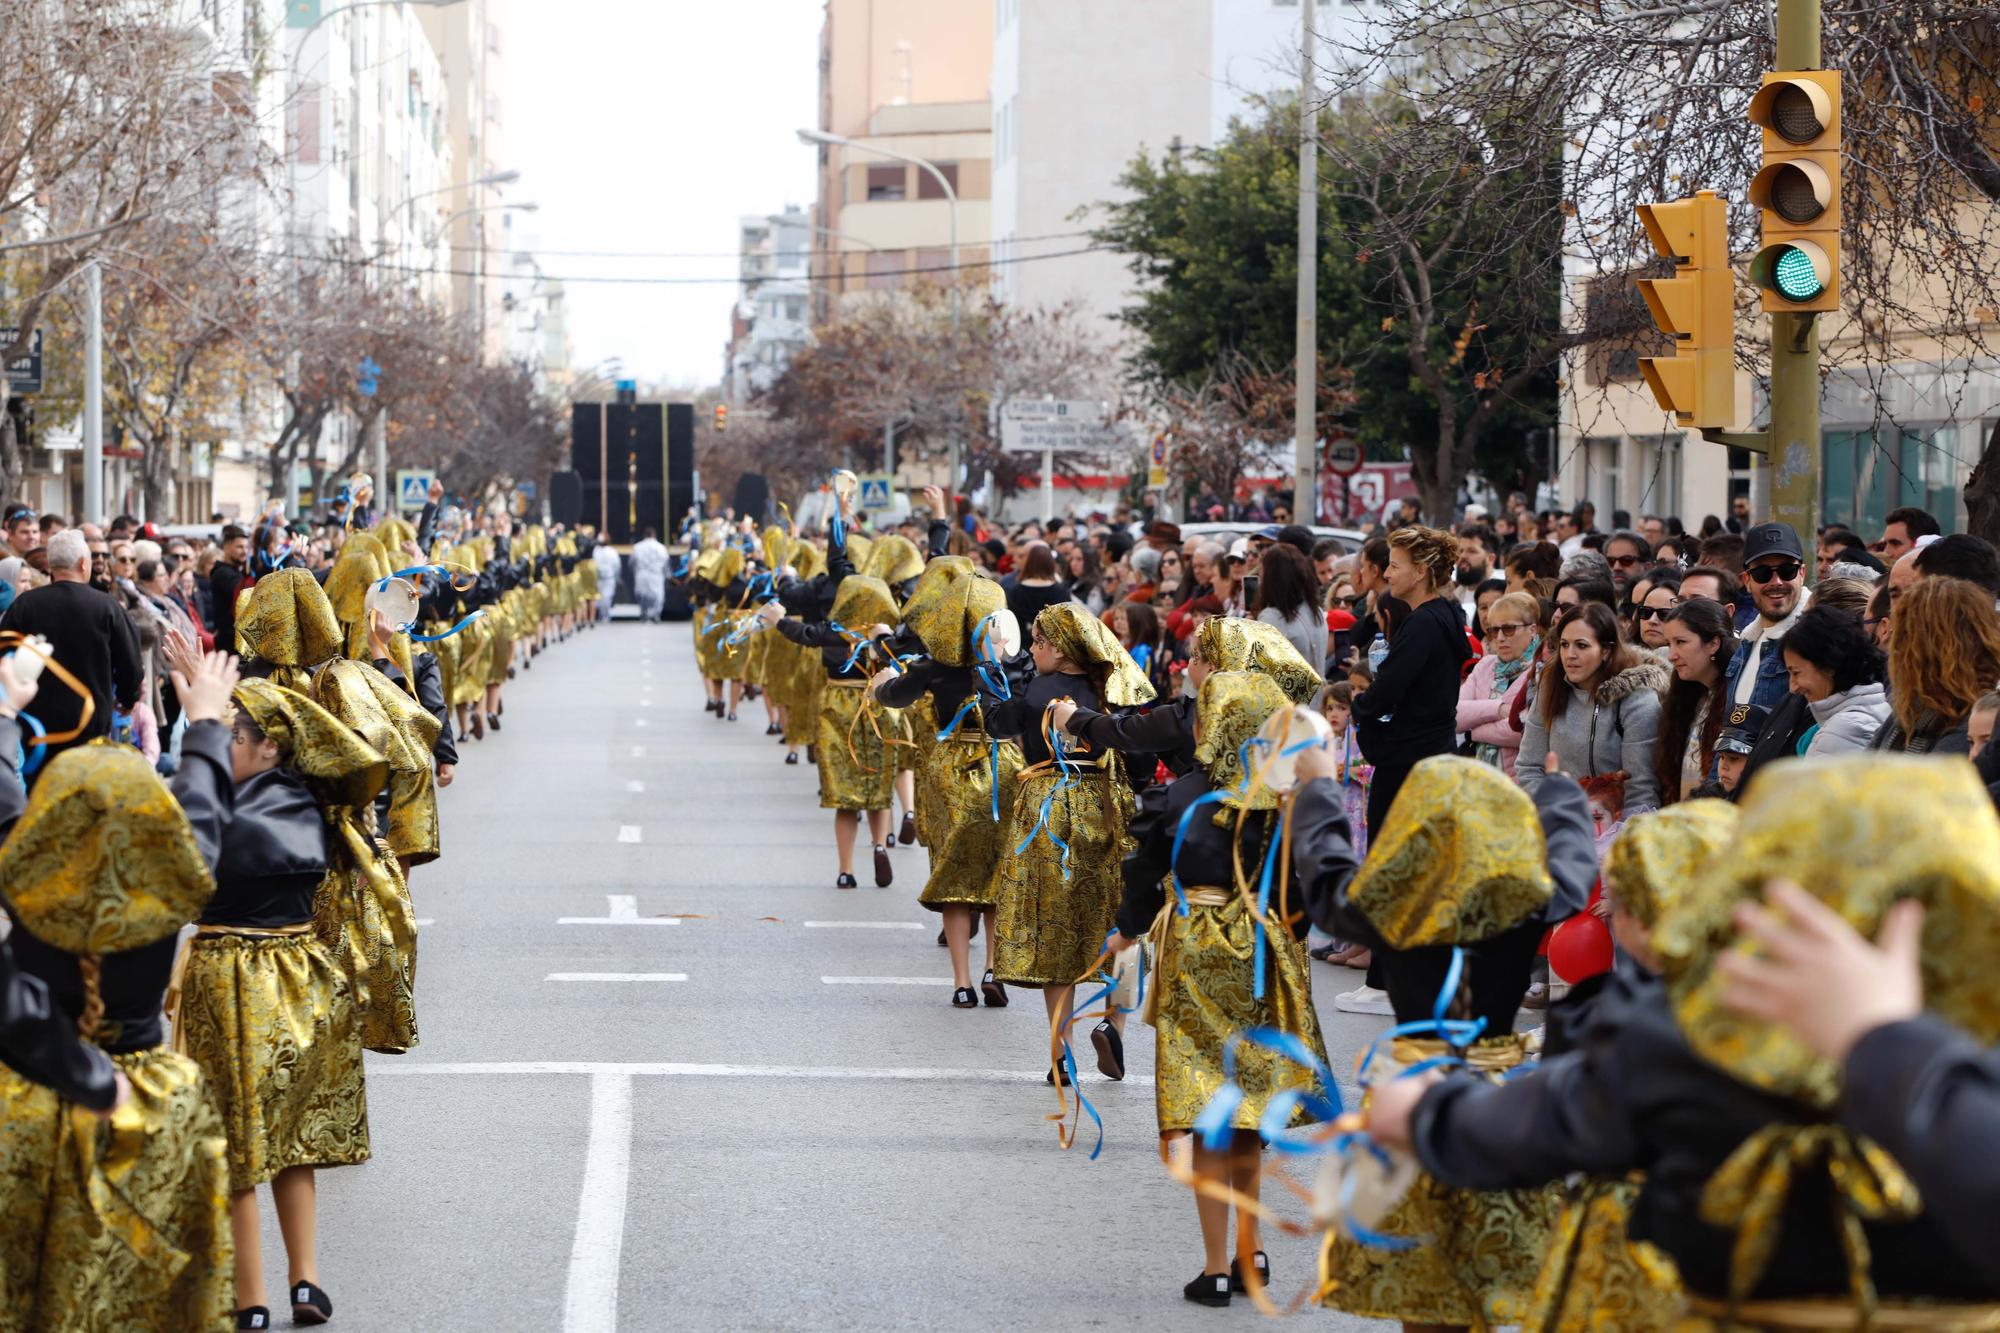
{"x": 1697, "y": 307}
{"x": 722, "y": 416}
{"x": 1797, "y": 266}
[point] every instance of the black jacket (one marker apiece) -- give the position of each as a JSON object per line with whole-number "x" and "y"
{"x": 1021, "y": 716}
{"x": 92, "y": 637}
{"x": 273, "y": 854}
{"x": 1416, "y": 690}
{"x": 1205, "y": 857}
{"x": 1166, "y": 729}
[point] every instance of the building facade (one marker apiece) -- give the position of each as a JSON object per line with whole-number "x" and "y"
{"x": 771, "y": 319}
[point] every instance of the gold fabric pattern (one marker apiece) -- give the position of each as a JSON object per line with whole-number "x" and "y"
{"x": 949, "y": 601}
{"x": 324, "y": 750}
{"x": 1086, "y": 641}
{"x": 1658, "y": 855}
{"x": 858, "y": 551}
{"x": 955, "y": 795}
{"x": 856, "y": 770}
{"x": 1824, "y": 1316}
{"x": 1482, "y": 1249}
{"x": 1596, "y": 1279}
{"x": 122, "y": 1225}
{"x": 102, "y": 860}
{"x": 1048, "y": 926}
{"x": 808, "y": 560}
{"x": 863, "y": 601}
{"x": 1229, "y": 710}
{"x": 1460, "y": 858}
{"x": 1205, "y": 976}
{"x": 728, "y": 566}
{"x": 271, "y": 1021}
{"x": 364, "y": 918}
{"x": 396, "y": 727}
{"x": 289, "y": 623}
{"x": 894, "y": 559}
{"x": 1232, "y": 643}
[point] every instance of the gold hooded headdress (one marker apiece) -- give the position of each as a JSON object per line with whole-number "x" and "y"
{"x": 289, "y": 624}
{"x": 1229, "y": 710}
{"x": 949, "y": 601}
{"x": 1084, "y": 640}
{"x": 102, "y": 860}
{"x": 775, "y": 543}
{"x": 362, "y": 561}
{"x": 895, "y": 560}
{"x": 728, "y": 566}
{"x": 1851, "y": 832}
{"x": 395, "y": 534}
{"x": 859, "y": 549}
{"x": 1659, "y": 855}
{"x": 330, "y": 755}
{"x": 1231, "y": 643}
{"x": 807, "y": 559}
{"x": 862, "y": 601}
{"x": 1461, "y": 858}
{"x": 397, "y": 728}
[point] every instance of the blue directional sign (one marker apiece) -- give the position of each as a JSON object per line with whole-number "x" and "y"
{"x": 366, "y": 375}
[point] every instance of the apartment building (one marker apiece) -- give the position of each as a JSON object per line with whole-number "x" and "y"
{"x": 770, "y": 320}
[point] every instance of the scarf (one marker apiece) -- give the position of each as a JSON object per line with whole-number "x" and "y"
{"x": 1504, "y": 676}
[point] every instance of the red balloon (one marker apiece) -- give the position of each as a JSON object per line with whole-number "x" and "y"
{"x": 1580, "y": 948}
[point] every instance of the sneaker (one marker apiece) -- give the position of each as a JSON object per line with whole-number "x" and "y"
{"x": 1365, "y": 1000}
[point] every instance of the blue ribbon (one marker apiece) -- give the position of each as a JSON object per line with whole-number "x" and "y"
{"x": 992, "y": 749}
{"x": 433, "y": 638}
{"x": 1066, "y": 778}
{"x": 34, "y": 754}
{"x": 1069, "y": 1067}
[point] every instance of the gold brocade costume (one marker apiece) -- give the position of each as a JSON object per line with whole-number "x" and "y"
{"x": 1204, "y": 972}
{"x": 288, "y": 625}
{"x": 1232, "y": 643}
{"x": 955, "y": 815}
{"x": 857, "y": 770}
{"x": 1048, "y": 925}
{"x": 122, "y": 1223}
{"x": 394, "y": 725}
{"x": 1481, "y": 1250}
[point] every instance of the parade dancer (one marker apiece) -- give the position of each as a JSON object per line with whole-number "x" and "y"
{"x": 968, "y": 777}
{"x": 1057, "y": 887}
{"x": 1205, "y": 969}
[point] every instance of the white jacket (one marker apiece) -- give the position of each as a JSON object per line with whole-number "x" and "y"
{"x": 1848, "y": 721}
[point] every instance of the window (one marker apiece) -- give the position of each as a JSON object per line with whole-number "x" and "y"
{"x": 1660, "y": 474}
{"x": 936, "y": 259}
{"x": 1865, "y": 475}
{"x": 927, "y": 184}
{"x": 1603, "y": 476}
{"x": 886, "y": 268}
{"x": 493, "y": 38}
{"x": 887, "y": 183}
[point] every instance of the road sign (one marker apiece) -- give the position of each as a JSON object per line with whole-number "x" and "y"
{"x": 413, "y": 487}
{"x": 1343, "y": 456}
{"x": 1156, "y": 469}
{"x": 24, "y": 374}
{"x": 1032, "y": 425}
{"x": 366, "y": 376}
{"x": 878, "y": 491}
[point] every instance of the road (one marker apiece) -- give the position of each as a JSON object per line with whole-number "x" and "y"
{"x": 650, "y": 1093}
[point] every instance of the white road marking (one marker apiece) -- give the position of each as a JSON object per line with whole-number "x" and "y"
{"x": 645, "y": 701}
{"x": 638, "y": 721}
{"x": 863, "y": 925}
{"x": 590, "y": 1297}
{"x": 616, "y": 976}
{"x": 887, "y": 981}
{"x": 426, "y": 921}
{"x": 622, "y": 910}
{"x": 635, "y": 786}
{"x": 628, "y": 833}
{"x": 638, "y": 752}
{"x": 650, "y": 1070}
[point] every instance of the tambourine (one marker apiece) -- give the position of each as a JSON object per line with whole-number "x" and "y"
{"x": 396, "y": 599}
{"x": 845, "y": 487}
{"x": 1361, "y": 1185}
{"x": 1279, "y": 741}
{"x": 997, "y": 638}
{"x": 770, "y": 613}
{"x": 28, "y": 666}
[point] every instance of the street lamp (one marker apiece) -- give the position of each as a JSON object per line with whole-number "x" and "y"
{"x": 438, "y": 231}
{"x": 823, "y": 137}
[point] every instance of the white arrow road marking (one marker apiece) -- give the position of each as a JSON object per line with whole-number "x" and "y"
{"x": 590, "y": 1297}
{"x": 628, "y": 833}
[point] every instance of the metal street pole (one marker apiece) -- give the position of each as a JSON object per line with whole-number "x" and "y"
{"x": 1305, "y": 488}
{"x": 383, "y": 495}
{"x": 93, "y": 393}
{"x": 1794, "y": 456}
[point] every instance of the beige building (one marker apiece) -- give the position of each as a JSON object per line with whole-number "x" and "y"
{"x": 468, "y": 38}
{"x": 909, "y": 76}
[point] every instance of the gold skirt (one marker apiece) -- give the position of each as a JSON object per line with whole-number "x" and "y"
{"x": 1597, "y": 1280}
{"x": 145, "y": 1244}
{"x": 955, "y": 816}
{"x": 1049, "y": 927}
{"x": 920, "y": 728}
{"x": 726, "y": 659}
{"x": 470, "y": 663}
{"x": 586, "y": 580}
{"x": 757, "y": 658}
{"x": 271, "y": 1021}
{"x": 1815, "y": 1315}
{"x": 413, "y": 816}
{"x": 354, "y": 925}
{"x": 1480, "y": 1251}
{"x": 808, "y": 681}
{"x": 856, "y": 770}
{"x": 1204, "y": 968}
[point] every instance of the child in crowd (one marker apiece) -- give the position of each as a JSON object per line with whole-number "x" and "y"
{"x": 1336, "y": 705}
{"x": 1979, "y": 726}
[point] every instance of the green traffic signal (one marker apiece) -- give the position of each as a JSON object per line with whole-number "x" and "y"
{"x": 1796, "y": 276}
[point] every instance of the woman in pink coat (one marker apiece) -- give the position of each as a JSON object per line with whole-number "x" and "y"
{"x": 1485, "y": 700}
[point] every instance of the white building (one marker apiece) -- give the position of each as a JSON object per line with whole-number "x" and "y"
{"x": 772, "y": 317}
{"x": 537, "y": 322}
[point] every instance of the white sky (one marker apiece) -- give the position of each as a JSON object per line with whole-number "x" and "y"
{"x": 653, "y": 125}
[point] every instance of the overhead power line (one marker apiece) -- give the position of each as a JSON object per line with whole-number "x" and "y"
{"x": 649, "y": 281}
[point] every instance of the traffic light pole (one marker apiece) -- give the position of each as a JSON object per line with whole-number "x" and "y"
{"x": 1794, "y": 454}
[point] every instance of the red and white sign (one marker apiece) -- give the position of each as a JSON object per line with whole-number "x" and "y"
{"x": 1343, "y": 456}
{"x": 1358, "y": 501}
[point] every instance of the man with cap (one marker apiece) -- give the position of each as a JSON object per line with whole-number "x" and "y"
{"x": 1774, "y": 574}
{"x": 1732, "y": 748}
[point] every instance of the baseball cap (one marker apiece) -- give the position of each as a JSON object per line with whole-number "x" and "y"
{"x": 1746, "y": 724}
{"x": 1766, "y": 539}
{"x": 1269, "y": 532}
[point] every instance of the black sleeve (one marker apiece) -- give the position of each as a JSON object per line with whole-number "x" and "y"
{"x": 222, "y": 584}
{"x": 430, "y": 696}
{"x": 1149, "y": 861}
{"x": 1568, "y": 1115}
{"x": 1930, "y": 1095}
{"x": 1572, "y": 843}
{"x": 838, "y": 565}
{"x": 38, "y": 1041}
{"x": 912, "y": 685}
{"x": 1155, "y": 731}
{"x": 938, "y": 538}
{"x": 128, "y": 677}
{"x": 1323, "y": 852}
{"x": 427, "y": 526}
{"x": 1012, "y": 716}
{"x": 813, "y": 634}
{"x": 1411, "y": 653}
{"x": 205, "y": 786}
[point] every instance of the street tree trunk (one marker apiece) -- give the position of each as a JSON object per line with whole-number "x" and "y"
{"x": 1982, "y": 491}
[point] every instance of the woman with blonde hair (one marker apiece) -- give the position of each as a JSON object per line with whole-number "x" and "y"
{"x": 1944, "y": 653}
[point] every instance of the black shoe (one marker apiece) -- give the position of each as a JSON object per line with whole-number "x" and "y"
{"x": 1263, "y": 1263}
{"x": 909, "y": 831}
{"x": 792, "y": 758}
{"x": 1110, "y": 1051}
{"x": 1208, "y": 1289}
{"x": 846, "y": 881}
{"x": 310, "y": 1305}
{"x": 812, "y": 754}
{"x": 773, "y": 729}
{"x": 995, "y": 993}
{"x": 256, "y": 1316}
{"x": 712, "y": 706}
{"x": 493, "y": 721}
{"x": 884, "y": 872}
{"x": 732, "y": 717}
{"x": 941, "y": 939}
{"x": 720, "y": 716}
{"x": 478, "y": 728}
{"x": 1050, "y": 1077}
{"x": 965, "y": 998}
{"x": 889, "y": 839}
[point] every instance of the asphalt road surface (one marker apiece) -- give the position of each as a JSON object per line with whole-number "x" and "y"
{"x": 670, "y": 1078}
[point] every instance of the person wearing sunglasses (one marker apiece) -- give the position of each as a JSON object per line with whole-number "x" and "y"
{"x": 1774, "y": 575}
{"x": 1659, "y": 594}
{"x": 1629, "y": 556}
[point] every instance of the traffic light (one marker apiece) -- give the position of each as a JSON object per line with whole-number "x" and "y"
{"x": 1697, "y": 307}
{"x": 722, "y": 416}
{"x": 1798, "y": 263}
